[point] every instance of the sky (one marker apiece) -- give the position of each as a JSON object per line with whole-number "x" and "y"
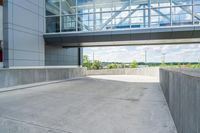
{"x": 125, "y": 54}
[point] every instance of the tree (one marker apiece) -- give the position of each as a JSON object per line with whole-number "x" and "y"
{"x": 179, "y": 65}
{"x": 112, "y": 66}
{"x": 198, "y": 65}
{"x": 96, "y": 65}
{"x": 189, "y": 65}
{"x": 120, "y": 66}
{"x": 86, "y": 62}
{"x": 134, "y": 64}
{"x": 163, "y": 64}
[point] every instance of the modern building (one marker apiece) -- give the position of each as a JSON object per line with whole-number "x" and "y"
{"x": 52, "y": 32}
{"x": 1, "y": 33}
{"x": 23, "y": 42}
{"x": 101, "y": 15}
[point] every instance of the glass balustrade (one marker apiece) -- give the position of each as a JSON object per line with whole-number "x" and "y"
{"x": 102, "y": 15}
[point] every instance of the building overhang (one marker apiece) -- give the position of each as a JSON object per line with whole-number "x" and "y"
{"x": 147, "y": 36}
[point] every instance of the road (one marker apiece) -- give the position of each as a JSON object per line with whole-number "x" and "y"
{"x": 96, "y": 104}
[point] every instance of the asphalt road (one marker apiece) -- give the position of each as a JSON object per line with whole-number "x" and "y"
{"x": 98, "y": 104}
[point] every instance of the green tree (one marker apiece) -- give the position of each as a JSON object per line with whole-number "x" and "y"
{"x": 198, "y": 65}
{"x": 112, "y": 66}
{"x": 96, "y": 65}
{"x": 120, "y": 65}
{"x": 179, "y": 65}
{"x": 86, "y": 62}
{"x": 189, "y": 65}
{"x": 134, "y": 64}
{"x": 163, "y": 64}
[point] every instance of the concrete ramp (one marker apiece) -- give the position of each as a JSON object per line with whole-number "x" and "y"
{"x": 98, "y": 104}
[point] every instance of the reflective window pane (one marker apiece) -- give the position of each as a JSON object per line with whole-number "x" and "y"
{"x": 160, "y": 17}
{"x": 103, "y": 5}
{"x": 197, "y": 15}
{"x": 136, "y": 3}
{"x": 160, "y": 3}
{"x": 122, "y": 20}
{"x": 181, "y": 2}
{"x": 120, "y": 5}
{"x": 52, "y": 24}
{"x": 85, "y": 6}
{"x": 139, "y": 18}
{"x": 196, "y": 1}
{"x": 182, "y": 15}
{"x": 52, "y": 7}
{"x": 69, "y": 23}
{"x": 103, "y": 21}
{"x": 68, "y": 7}
{"x": 100, "y": 15}
{"x": 85, "y": 22}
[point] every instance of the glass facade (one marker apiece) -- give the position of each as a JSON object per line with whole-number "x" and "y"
{"x": 101, "y": 15}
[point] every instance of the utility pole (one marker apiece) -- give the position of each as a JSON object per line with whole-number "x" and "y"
{"x": 93, "y": 57}
{"x": 163, "y": 54}
{"x": 145, "y": 54}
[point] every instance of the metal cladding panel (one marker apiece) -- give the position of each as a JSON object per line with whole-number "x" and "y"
{"x": 1, "y": 22}
{"x": 23, "y": 25}
{"x": 73, "y": 39}
{"x": 181, "y": 34}
{"x": 161, "y": 35}
{"x": 84, "y": 39}
{"x": 121, "y": 35}
{"x": 102, "y": 36}
{"x": 196, "y": 32}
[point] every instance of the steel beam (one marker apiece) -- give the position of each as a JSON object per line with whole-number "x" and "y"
{"x": 187, "y": 10}
{"x": 115, "y": 15}
{"x": 131, "y": 13}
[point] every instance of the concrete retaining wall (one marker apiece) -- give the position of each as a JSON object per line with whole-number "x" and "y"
{"x": 21, "y": 76}
{"x": 152, "y": 71}
{"x": 181, "y": 88}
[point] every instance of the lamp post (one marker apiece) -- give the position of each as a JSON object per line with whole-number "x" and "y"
{"x": 163, "y": 57}
{"x": 93, "y": 57}
{"x": 145, "y": 56}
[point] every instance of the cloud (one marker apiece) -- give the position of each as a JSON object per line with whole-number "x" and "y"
{"x": 173, "y": 53}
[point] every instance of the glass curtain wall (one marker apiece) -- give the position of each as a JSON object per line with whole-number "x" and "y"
{"x": 101, "y": 15}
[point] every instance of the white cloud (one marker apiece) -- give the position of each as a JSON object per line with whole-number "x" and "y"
{"x": 186, "y": 52}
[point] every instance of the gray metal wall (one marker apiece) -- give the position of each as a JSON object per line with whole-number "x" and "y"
{"x": 57, "y": 55}
{"x": 23, "y": 33}
{"x": 182, "y": 91}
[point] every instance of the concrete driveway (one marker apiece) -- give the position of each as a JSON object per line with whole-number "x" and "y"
{"x": 97, "y": 104}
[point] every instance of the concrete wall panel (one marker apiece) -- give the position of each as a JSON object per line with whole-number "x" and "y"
{"x": 154, "y": 72}
{"x": 182, "y": 91}
{"x": 57, "y": 55}
{"x": 13, "y": 77}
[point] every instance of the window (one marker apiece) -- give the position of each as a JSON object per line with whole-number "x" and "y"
{"x": 52, "y": 24}
{"x": 101, "y": 15}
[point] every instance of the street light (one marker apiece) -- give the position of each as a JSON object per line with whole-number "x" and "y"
{"x": 93, "y": 57}
{"x": 163, "y": 57}
{"x": 145, "y": 56}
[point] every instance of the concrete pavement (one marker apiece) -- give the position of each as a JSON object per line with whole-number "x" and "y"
{"x": 97, "y": 104}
